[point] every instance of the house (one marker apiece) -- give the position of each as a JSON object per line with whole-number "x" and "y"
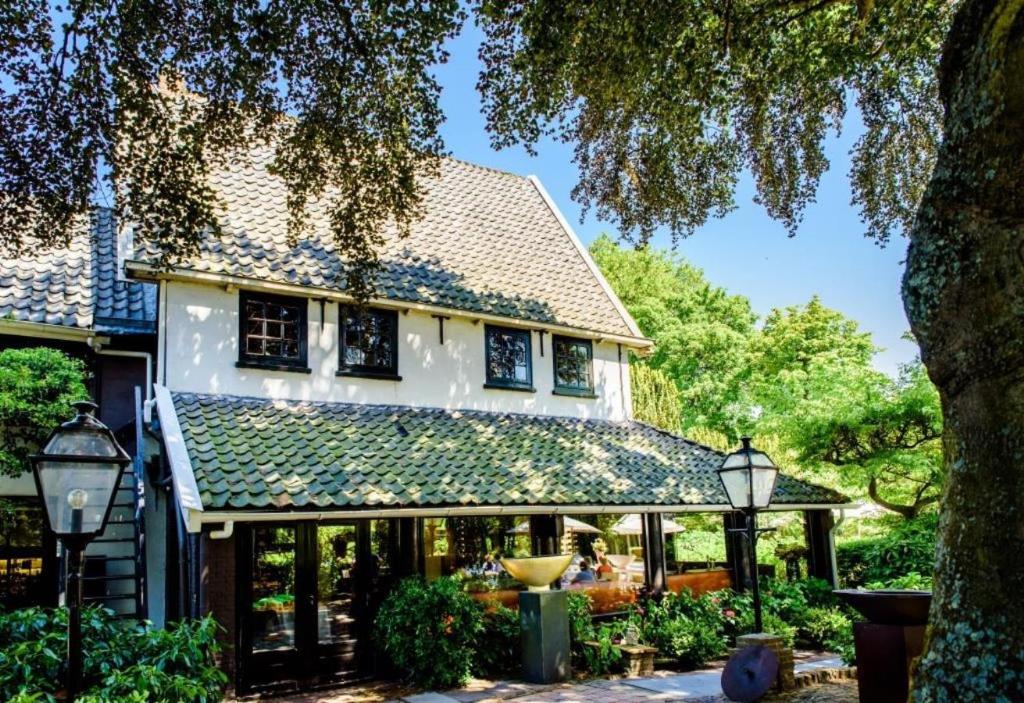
{"x": 301, "y": 453}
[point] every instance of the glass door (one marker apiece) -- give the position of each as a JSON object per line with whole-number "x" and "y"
{"x": 308, "y": 593}
{"x": 269, "y": 621}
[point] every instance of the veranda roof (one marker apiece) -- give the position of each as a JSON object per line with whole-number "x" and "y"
{"x": 260, "y": 454}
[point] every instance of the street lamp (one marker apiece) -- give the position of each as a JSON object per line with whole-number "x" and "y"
{"x": 748, "y": 476}
{"x": 77, "y": 475}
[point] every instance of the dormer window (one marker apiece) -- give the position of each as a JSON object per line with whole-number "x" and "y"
{"x": 369, "y": 343}
{"x": 272, "y": 332}
{"x": 574, "y": 366}
{"x": 508, "y": 358}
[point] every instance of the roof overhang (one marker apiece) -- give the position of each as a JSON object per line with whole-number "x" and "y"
{"x": 220, "y": 517}
{"x": 145, "y": 271}
{"x": 43, "y": 330}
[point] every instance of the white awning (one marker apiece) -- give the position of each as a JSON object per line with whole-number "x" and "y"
{"x": 631, "y": 525}
{"x": 571, "y": 525}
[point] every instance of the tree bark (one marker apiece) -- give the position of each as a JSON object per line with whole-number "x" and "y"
{"x": 964, "y": 296}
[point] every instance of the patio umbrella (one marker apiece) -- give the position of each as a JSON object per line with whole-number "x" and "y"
{"x": 571, "y": 525}
{"x": 630, "y": 525}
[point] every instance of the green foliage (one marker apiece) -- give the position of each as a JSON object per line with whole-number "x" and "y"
{"x": 497, "y": 651}
{"x": 830, "y": 629}
{"x": 96, "y": 94}
{"x": 666, "y": 114}
{"x": 912, "y": 581}
{"x": 684, "y": 628}
{"x": 908, "y": 547}
{"x": 123, "y": 660}
{"x": 430, "y": 631}
{"x": 656, "y": 398}
{"x": 702, "y": 333}
{"x": 37, "y": 387}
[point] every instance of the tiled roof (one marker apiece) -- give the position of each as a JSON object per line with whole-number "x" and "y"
{"x": 250, "y": 453}
{"x": 487, "y": 242}
{"x": 76, "y": 286}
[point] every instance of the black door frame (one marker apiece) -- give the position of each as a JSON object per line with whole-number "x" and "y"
{"x": 300, "y": 666}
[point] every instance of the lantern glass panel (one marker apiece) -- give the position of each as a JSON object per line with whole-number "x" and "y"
{"x": 77, "y": 494}
{"x": 737, "y": 486}
{"x": 81, "y": 443}
{"x": 764, "y": 484}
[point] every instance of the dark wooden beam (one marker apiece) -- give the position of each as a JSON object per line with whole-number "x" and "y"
{"x": 818, "y": 526}
{"x": 654, "y": 553}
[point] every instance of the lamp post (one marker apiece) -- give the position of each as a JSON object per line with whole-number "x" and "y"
{"x": 748, "y": 476}
{"x": 77, "y": 474}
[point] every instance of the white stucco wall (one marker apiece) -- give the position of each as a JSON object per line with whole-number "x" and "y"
{"x": 201, "y": 347}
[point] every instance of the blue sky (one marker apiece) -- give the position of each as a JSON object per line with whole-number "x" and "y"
{"x": 746, "y": 252}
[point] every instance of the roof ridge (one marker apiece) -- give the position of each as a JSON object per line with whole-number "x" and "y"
{"x": 483, "y": 167}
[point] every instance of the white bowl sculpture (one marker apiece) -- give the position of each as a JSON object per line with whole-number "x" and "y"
{"x": 537, "y": 572}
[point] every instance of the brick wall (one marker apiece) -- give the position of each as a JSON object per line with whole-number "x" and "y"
{"x": 218, "y": 593}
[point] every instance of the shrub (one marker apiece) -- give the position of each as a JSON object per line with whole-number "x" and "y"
{"x": 497, "y": 650}
{"x": 908, "y": 547}
{"x": 912, "y": 581}
{"x": 822, "y": 627}
{"x": 430, "y": 631}
{"x": 124, "y": 660}
{"x": 37, "y": 387}
{"x": 684, "y": 628}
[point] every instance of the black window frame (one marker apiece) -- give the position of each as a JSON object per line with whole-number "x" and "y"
{"x": 575, "y": 391}
{"x": 501, "y": 383}
{"x": 364, "y": 370}
{"x": 263, "y": 361}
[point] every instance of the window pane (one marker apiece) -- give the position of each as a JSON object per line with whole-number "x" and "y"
{"x": 272, "y": 330}
{"x": 572, "y": 364}
{"x": 273, "y": 588}
{"x": 368, "y": 340}
{"x": 508, "y": 356}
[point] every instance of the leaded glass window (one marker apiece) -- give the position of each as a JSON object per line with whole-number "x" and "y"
{"x": 508, "y": 358}
{"x": 369, "y": 342}
{"x": 273, "y": 330}
{"x": 574, "y": 367}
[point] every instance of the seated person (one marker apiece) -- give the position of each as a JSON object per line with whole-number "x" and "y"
{"x": 604, "y": 570}
{"x": 490, "y": 566}
{"x": 585, "y": 575}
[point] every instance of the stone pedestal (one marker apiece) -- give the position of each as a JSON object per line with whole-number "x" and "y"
{"x": 884, "y": 656}
{"x": 787, "y": 675}
{"x": 544, "y": 622}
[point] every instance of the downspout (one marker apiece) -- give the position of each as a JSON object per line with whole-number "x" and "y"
{"x": 225, "y": 532}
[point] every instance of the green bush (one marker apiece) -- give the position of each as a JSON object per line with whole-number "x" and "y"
{"x": 124, "y": 660}
{"x": 430, "y": 631}
{"x": 908, "y": 547}
{"x": 912, "y": 581}
{"x": 822, "y": 627}
{"x": 684, "y": 628}
{"x": 497, "y": 651}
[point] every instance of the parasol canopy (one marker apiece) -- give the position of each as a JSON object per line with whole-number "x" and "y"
{"x": 631, "y": 525}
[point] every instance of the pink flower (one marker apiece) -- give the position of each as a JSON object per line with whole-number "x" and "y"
{"x": 729, "y": 613}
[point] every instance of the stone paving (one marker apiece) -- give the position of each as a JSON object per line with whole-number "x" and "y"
{"x": 663, "y": 687}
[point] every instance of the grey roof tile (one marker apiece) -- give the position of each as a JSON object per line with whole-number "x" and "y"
{"x": 76, "y": 285}
{"x": 250, "y": 453}
{"x": 486, "y": 242}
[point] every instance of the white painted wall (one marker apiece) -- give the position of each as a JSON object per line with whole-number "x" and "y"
{"x": 202, "y": 348}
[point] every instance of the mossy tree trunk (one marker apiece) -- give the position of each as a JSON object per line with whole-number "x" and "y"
{"x": 964, "y": 295}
